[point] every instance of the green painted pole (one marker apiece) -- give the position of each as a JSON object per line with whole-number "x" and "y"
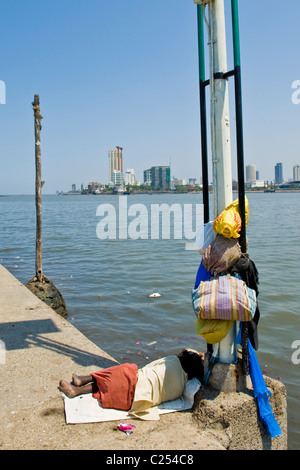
{"x": 239, "y": 120}
{"x": 240, "y": 156}
{"x": 203, "y": 122}
{"x": 205, "y": 184}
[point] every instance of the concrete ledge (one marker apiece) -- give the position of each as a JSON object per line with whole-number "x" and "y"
{"x": 42, "y": 347}
{"x": 235, "y": 417}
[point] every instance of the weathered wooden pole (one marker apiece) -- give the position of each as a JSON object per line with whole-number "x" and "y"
{"x": 38, "y": 188}
{"x": 40, "y": 285}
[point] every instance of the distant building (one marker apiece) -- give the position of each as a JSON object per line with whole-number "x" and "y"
{"x": 129, "y": 177}
{"x": 94, "y": 187}
{"x": 179, "y": 182}
{"x": 117, "y": 178}
{"x": 250, "y": 174}
{"x": 147, "y": 177}
{"x": 258, "y": 184}
{"x": 192, "y": 181}
{"x": 257, "y": 175}
{"x": 73, "y": 187}
{"x": 161, "y": 177}
{"x": 296, "y": 173}
{"x": 278, "y": 173}
{"x": 115, "y": 162}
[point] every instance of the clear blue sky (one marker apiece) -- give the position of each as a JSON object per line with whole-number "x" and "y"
{"x": 125, "y": 72}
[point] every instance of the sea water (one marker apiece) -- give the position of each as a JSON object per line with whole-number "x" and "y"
{"x": 106, "y": 282}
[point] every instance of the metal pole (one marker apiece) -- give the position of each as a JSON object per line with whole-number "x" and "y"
{"x": 203, "y": 112}
{"x": 239, "y": 119}
{"x": 220, "y": 131}
{"x": 221, "y": 146}
{"x": 240, "y": 156}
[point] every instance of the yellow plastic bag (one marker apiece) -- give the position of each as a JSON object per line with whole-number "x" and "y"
{"x": 229, "y": 222}
{"x": 213, "y": 331}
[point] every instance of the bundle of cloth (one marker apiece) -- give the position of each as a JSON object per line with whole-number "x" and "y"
{"x": 221, "y": 256}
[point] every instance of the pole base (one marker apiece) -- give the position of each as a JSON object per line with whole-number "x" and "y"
{"x": 228, "y": 378}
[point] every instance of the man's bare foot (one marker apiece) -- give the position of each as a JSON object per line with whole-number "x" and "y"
{"x": 67, "y": 389}
{"x": 76, "y": 380}
{"x": 80, "y": 380}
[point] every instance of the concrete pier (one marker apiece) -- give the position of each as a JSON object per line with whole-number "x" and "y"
{"x": 39, "y": 347}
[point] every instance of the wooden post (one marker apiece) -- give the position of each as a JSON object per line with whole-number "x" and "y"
{"x": 40, "y": 285}
{"x": 38, "y": 188}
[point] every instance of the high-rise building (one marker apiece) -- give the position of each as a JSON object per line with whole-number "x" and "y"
{"x": 192, "y": 181}
{"x": 115, "y": 162}
{"x": 129, "y": 177}
{"x": 296, "y": 173}
{"x": 147, "y": 177}
{"x": 278, "y": 173}
{"x": 117, "y": 178}
{"x": 250, "y": 174}
{"x": 161, "y": 177}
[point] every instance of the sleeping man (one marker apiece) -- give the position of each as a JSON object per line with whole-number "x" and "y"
{"x": 125, "y": 387}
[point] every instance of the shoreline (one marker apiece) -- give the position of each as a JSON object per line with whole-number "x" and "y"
{"x": 134, "y": 193}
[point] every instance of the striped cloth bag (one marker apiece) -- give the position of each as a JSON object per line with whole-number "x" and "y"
{"x": 224, "y": 298}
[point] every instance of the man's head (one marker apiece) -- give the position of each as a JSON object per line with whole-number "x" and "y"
{"x": 192, "y": 363}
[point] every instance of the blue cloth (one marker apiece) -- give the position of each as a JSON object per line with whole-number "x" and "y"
{"x": 202, "y": 275}
{"x": 260, "y": 391}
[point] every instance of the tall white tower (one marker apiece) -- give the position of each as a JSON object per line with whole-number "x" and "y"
{"x": 296, "y": 172}
{"x": 115, "y": 162}
{"x": 250, "y": 173}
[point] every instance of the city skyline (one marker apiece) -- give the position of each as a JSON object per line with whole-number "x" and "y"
{"x": 251, "y": 179}
{"x": 150, "y": 102}
{"x": 133, "y": 180}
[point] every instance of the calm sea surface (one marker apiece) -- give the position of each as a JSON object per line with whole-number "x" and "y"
{"x": 106, "y": 283}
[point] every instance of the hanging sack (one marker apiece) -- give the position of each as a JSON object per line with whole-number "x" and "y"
{"x": 229, "y": 222}
{"x": 213, "y": 331}
{"x": 222, "y": 254}
{"x": 224, "y": 298}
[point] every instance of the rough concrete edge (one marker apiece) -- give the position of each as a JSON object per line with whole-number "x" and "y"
{"x": 234, "y": 417}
